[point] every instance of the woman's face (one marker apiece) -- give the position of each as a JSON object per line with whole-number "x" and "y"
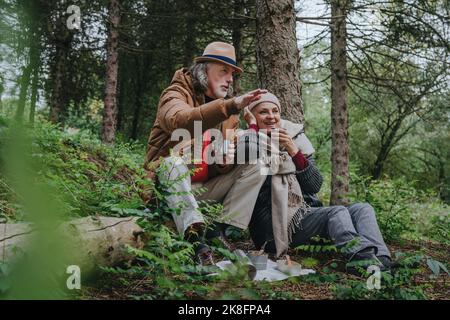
{"x": 267, "y": 115}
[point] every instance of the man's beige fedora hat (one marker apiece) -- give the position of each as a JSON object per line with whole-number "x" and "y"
{"x": 220, "y": 52}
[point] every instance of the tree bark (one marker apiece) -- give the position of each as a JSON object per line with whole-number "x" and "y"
{"x": 386, "y": 145}
{"x": 236, "y": 35}
{"x": 62, "y": 40}
{"x": 339, "y": 112}
{"x": 34, "y": 92}
{"x": 24, "y": 85}
{"x": 120, "y": 104}
{"x": 2, "y": 89}
{"x": 92, "y": 241}
{"x": 190, "y": 47}
{"x": 33, "y": 63}
{"x": 138, "y": 99}
{"x": 278, "y": 56}
{"x": 110, "y": 103}
{"x": 57, "y": 91}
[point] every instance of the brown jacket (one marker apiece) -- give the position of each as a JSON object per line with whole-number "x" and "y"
{"x": 179, "y": 106}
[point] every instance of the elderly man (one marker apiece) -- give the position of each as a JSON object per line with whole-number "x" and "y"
{"x": 201, "y": 93}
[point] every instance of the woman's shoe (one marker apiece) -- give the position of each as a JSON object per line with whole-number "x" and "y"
{"x": 361, "y": 261}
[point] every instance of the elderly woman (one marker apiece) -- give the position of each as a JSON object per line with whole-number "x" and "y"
{"x": 288, "y": 213}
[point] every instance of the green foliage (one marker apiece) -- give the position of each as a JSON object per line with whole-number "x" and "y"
{"x": 92, "y": 178}
{"x": 167, "y": 263}
{"x": 317, "y": 248}
{"x": 391, "y": 201}
{"x": 397, "y": 284}
{"x": 318, "y": 245}
{"x": 402, "y": 210}
{"x": 95, "y": 179}
{"x": 439, "y": 229}
{"x": 400, "y": 283}
{"x": 394, "y": 285}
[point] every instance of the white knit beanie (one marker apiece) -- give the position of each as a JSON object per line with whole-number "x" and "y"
{"x": 266, "y": 97}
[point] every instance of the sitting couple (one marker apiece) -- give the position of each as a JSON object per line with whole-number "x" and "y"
{"x": 281, "y": 209}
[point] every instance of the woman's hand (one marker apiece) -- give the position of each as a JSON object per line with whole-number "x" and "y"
{"x": 249, "y": 117}
{"x": 285, "y": 140}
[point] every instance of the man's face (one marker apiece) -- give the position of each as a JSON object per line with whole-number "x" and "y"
{"x": 220, "y": 78}
{"x": 267, "y": 115}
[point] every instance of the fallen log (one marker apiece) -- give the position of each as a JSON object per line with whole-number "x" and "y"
{"x": 92, "y": 241}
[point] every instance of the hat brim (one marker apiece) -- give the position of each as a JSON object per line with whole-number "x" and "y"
{"x": 201, "y": 59}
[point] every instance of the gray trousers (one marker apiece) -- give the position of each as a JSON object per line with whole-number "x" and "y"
{"x": 340, "y": 224}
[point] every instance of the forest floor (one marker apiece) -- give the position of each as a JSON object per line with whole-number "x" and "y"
{"x": 434, "y": 288}
{"x": 89, "y": 178}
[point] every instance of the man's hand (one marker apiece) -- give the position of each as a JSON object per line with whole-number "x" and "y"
{"x": 249, "y": 97}
{"x": 285, "y": 140}
{"x": 249, "y": 117}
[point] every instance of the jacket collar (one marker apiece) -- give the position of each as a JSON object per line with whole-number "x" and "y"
{"x": 183, "y": 78}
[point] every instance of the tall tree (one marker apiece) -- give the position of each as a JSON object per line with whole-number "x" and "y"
{"x": 237, "y": 37}
{"x": 110, "y": 103}
{"x": 61, "y": 41}
{"x": 2, "y": 89}
{"x": 30, "y": 75}
{"x": 34, "y": 93}
{"x": 29, "y": 14}
{"x": 339, "y": 111}
{"x": 398, "y": 60}
{"x": 278, "y": 55}
{"x": 190, "y": 47}
{"x": 23, "y": 93}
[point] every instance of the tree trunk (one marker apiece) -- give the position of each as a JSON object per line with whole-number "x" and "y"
{"x": 138, "y": 98}
{"x": 278, "y": 56}
{"x": 339, "y": 112}
{"x": 33, "y": 57}
{"x": 236, "y": 35}
{"x": 57, "y": 106}
{"x": 34, "y": 92}
{"x": 190, "y": 47}
{"x": 92, "y": 241}
{"x": 120, "y": 103}
{"x": 110, "y": 108}
{"x": 24, "y": 84}
{"x": 61, "y": 39}
{"x": 2, "y": 89}
{"x": 387, "y": 142}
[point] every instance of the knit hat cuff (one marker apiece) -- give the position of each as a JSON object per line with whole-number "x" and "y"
{"x": 266, "y": 97}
